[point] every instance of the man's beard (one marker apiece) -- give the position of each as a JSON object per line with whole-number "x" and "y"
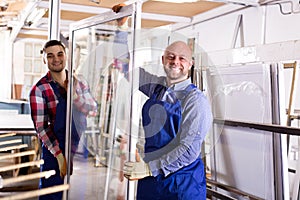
{"x": 57, "y": 70}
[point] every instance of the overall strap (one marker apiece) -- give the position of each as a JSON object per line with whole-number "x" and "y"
{"x": 190, "y": 87}
{"x": 55, "y": 89}
{"x": 159, "y": 90}
{"x": 187, "y": 90}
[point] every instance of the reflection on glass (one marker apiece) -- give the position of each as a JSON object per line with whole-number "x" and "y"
{"x": 37, "y": 50}
{"x": 28, "y": 50}
{"x": 35, "y": 79}
{"x": 37, "y": 66}
{"x": 28, "y": 80}
{"x": 27, "y": 65}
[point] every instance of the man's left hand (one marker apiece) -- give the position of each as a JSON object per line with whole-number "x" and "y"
{"x": 136, "y": 170}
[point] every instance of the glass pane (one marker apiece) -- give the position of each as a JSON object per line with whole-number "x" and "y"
{"x": 98, "y": 142}
{"x": 101, "y": 56}
{"x": 36, "y": 79}
{"x": 28, "y": 50}
{"x": 27, "y": 65}
{"x": 37, "y": 50}
{"x": 45, "y": 68}
{"x": 28, "y": 80}
{"x": 37, "y": 66}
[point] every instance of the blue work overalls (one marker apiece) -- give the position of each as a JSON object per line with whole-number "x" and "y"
{"x": 185, "y": 184}
{"x": 50, "y": 162}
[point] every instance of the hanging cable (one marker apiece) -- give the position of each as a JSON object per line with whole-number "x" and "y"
{"x": 280, "y": 3}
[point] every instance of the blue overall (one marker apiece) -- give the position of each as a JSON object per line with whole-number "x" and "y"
{"x": 50, "y": 162}
{"x": 189, "y": 182}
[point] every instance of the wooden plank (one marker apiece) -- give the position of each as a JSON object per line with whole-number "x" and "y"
{"x": 7, "y": 134}
{"x": 14, "y": 141}
{"x": 35, "y": 193}
{"x": 17, "y": 131}
{"x": 14, "y": 180}
{"x": 17, "y": 166}
{"x": 19, "y": 154}
{"x": 21, "y": 146}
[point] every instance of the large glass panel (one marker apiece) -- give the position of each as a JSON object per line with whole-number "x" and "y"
{"x": 109, "y": 57}
{"x": 98, "y": 142}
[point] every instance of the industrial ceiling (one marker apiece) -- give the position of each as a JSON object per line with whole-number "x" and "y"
{"x": 29, "y": 18}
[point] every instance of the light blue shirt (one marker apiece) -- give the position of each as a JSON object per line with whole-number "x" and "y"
{"x": 195, "y": 124}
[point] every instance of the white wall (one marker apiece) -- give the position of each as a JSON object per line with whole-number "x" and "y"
{"x": 6, "y": 65}
{"x": 282, "y": 27}
{"x": 261, "y": 25}
{"x": 18, "y": 64}
{"x": 218, "y": 33}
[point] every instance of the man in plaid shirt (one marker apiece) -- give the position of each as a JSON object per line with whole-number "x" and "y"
{"x": 48, "y": 101}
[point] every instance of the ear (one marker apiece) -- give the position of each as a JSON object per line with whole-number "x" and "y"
{"x": 191, "y": 64}
{"x": 162, "y": 59}
{"x": 44, "y": 60}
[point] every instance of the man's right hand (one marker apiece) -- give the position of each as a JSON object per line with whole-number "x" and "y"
{"x": 122, "y": 22}
{"x": 117, "y": 8}
{"x": 62, "y": 163}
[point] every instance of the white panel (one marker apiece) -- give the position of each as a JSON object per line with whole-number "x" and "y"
{"x": 281, "y": 27}
{"x": 243, "y": 157}
{"x": 18, "y": 72}
{"x": 215, "y": 28}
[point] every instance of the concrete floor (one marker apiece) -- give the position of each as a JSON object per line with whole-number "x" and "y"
{"x": 92, "y": 183}
{"x": 87, "y": 181}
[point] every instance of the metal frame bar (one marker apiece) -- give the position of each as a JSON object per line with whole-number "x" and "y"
{"x": 238, "y": 28}
{"x": 232, "y": 189}
{"x": 54, "y": 19}
{"x": 259, "y": 126}
{"x": 219, "y": 195}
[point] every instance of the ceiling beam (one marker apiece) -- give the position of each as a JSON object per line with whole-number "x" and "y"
{"x": 76, "y": 8}
{"x": 98, "y": 10}
{"x": 209, "y": 15}
{"x": 168, "y": 18}
{"x": 23, "y": 15}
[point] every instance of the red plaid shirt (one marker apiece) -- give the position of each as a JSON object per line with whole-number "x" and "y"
{"x": 43, "y": 102}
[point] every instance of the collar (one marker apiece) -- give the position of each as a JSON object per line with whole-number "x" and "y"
{"x": 50, "y": 79}
{"x": 181, "y": 85}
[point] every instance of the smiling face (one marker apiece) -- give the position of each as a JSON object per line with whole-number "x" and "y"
{"x": 55, "y": 58}
{"x": 177, "y": 61}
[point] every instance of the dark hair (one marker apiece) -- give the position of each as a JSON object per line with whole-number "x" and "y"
{"x": 51, "y": 43}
